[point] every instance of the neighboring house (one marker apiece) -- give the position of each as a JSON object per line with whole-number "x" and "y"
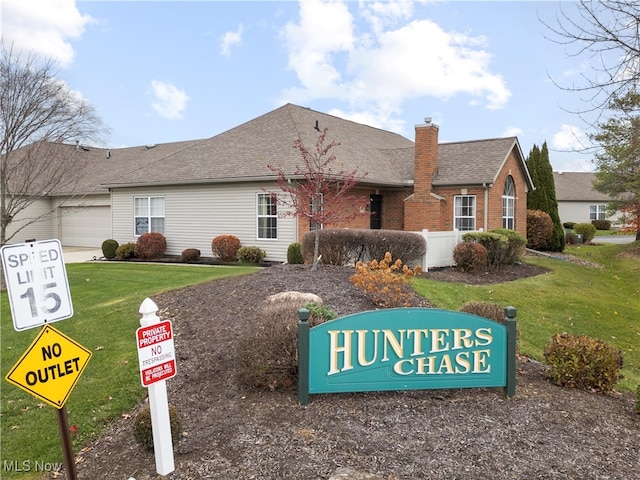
{"x": 194, "y": 191}
{"x": 578, "y": 201}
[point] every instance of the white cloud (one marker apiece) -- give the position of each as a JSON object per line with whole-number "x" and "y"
{"x": 512, "y": 132}
{"x": 229, "y": 40}
{"x": 569, "y": 138}
{"x": 376, "y": 71}
{"x": 170, "y": 101}
{"x": 43, "y": 27}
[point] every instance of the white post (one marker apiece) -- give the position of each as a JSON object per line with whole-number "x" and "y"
{"x": 158, "y": 403}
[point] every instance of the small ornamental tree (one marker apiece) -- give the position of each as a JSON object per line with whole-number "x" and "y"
{"x": 318, "y": 192}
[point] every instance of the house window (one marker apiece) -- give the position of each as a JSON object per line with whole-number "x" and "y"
{"x": 148, "y": 215}
{"x": 597, "y": 212}
{"x": 316, "y": 205}
{"x": 508, "y": 203}
{"x": 267, "y": 216}
{"x": 464, "y": 212}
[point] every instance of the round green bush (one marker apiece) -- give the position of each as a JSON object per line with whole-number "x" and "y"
{"x": 143, "y": 432}
{"x": 587, "y": 230}
{"x": 126, "y": 251}
{"x": 251, "y": 254}
{"x": 294, "y": 254}
{"x": 109, "y": 248}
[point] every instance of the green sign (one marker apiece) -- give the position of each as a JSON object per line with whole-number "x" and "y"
{"x": 405, "y": 349}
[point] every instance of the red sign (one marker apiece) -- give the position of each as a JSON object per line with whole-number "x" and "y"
{"x": 156, "y": 354}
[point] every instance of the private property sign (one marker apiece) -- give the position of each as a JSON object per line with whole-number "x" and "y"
{"x": 406, "y": 349}
{"x": 36, "y": 283}
{"x": 156, "y": 353}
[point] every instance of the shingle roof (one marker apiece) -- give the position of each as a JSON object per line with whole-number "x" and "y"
{"x": 577, "y": 187}
{"x": 474, "y": 162}
{"x": 243, "y": 153}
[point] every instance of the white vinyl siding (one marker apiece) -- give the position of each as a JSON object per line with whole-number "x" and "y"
{"x": 579, "y": 212}
{"x": 196, "y": 214}
{"x": 42, "y": 230}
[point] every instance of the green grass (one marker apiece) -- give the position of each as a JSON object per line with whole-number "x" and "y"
{"x": 602, "y": 303}
{"x": 106, "y": 298}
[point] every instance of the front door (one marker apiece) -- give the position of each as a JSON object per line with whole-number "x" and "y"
{"x": 376, "y": 212}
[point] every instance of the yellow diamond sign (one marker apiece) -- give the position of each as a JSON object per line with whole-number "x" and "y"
{"x": 50, "y": 367}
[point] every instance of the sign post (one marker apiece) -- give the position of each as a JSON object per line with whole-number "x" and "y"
{"x": 157, "y": 363}
{"x": 39, "y": 294}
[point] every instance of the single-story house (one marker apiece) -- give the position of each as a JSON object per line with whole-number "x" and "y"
{"x": 195, "y": 190}
{"x": 578, "y": 201}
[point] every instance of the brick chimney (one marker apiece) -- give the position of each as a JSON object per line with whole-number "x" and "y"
{"x": 426, "y": 159}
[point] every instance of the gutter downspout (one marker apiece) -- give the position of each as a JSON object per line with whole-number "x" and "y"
{"x": 486, "y": 206}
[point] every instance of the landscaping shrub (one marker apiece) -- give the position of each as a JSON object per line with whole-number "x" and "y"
{"x": 321, "y": 312}
{"x": 190, "y": 255}
{"x": 143, "y": 433}
{"x": 601, "y": 224}
{"x": 385, "y": 282}
{"x": 492, "y": 311}
{"x": 539, "y": 229}
{"x": 583, "y": 362}
{"x": 470, "y": 256}
{"x": 516, "y": 244}
{"x": 569, "y": 225}
{"x": 109, "y": 248}
{"x": 497, "y": 246}
{"x": 126, "y": 251}
{"x": 268, "y": 353}
{"x": 226, "y": 247}
{"x": 251, "y": 255}
{"x": 151, "y": 245}
{"x": 294, "y": 254}
{"x": 587, "y": 230}
{"x": 344, "y": 246}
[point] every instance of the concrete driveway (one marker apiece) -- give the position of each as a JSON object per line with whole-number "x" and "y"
{"x": 617, "y": 239}
{"x": 80, "y": 254}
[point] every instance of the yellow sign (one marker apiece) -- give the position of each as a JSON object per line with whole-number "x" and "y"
{"x": 50, "y": 367}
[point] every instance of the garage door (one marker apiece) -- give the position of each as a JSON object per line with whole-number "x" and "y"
{"x": 85, "y": 226}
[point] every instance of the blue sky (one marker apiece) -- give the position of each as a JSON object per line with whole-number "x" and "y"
{"x": 164, "y": 71}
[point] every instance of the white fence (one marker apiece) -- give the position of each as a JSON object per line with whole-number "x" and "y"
{"x": 440, "y": 247}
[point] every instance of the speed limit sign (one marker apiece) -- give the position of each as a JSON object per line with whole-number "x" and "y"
{"x": 36, "y": 283}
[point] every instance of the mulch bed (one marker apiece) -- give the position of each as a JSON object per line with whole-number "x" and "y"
{"x": 234, "y": 432}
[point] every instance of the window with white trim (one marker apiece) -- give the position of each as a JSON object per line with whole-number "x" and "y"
{"x": 267, "y": 216}
{"x": 148, "y": 215}
{"x": 508, "y": 203}
{"x": 464, "y": 212}
{"x": 597, "y": 212}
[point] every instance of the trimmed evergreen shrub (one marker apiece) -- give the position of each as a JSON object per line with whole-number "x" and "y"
{"x": 226, "y": 247}
{"x": 294, "y": 254}
{"x": 470, "y": 256}
{"x": 109, "y": 248}
{"x": 569, "y": 225}
{"x": 601, "y": 224}
{"x": 539, "y": 229}
{"x": 251, "y": 254}
{"x": 151, "y": 245}
{"x": 587, "y": 230}
{"x": 126, "y": 251}
{"x": 190, "y": 255}
{"x": 143, "y": 433}
{"x": 583, "y": 362}
{"x": 492, "y": 311}
{"x": 497, "y": 246}
{"x": 516, "y": 244}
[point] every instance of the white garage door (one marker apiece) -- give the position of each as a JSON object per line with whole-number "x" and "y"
{"x": 85, "y": 226}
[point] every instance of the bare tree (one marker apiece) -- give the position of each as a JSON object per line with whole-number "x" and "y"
{"x": 607, "y": 34}
{"x": 317, "y": 192}
{"x": 38, "y": 115}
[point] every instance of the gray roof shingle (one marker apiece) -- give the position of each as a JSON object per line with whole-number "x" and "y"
{"x": 577, "y": 187}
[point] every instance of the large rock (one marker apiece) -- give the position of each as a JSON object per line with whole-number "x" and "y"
{"x": 300, "y": 298}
